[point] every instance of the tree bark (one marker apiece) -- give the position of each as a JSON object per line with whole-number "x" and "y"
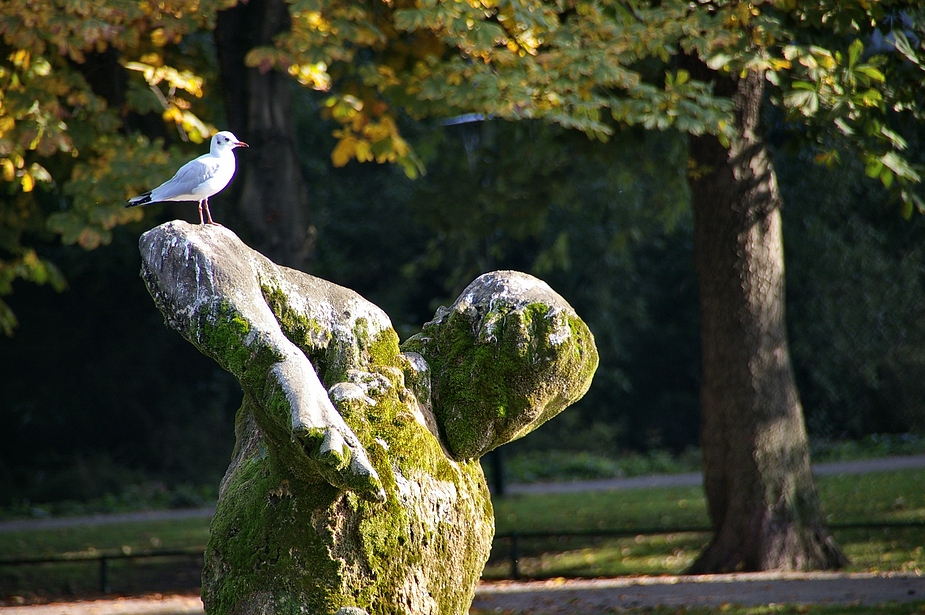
{"x": 270, "y": 194}
{"x": 760, "y": 492}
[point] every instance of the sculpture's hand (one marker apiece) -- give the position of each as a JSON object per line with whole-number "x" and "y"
{"x": 341, "y": 465}
{"x": 318, "y": 427}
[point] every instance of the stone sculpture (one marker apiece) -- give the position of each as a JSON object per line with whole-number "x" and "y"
{"x": 354, "y": 486}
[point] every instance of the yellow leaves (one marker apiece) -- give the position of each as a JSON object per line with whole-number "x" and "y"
{"x": 376, "y": 140}
{"x": 189, "y": 123}
{"x": 343, "y": 108}
{"x": 522, "y": 38}
{"x": 7, "y": 124}
{"x": 314, "y": 76}
{"x": 316, "y": 21}
{"x": 740, "y": 15}
{"x": 369, "y": 133}
{"x": 811, "y": 57}
{"x": 175, "y": 108}
{"x": 13, "y": 167}
{"x": 21, "y": 59}
{"x": 172, "y": 114}
{"x": 175, "y": 79}
{"x": 151, "y": 59}
{"x": 159, "y": 37}
{"x": 345, "y": 150}
{"x": 31, "y": 114}
{"x": 776, "y": 64}
{"x": 8, "y": 169}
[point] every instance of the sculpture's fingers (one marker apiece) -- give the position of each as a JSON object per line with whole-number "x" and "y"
{"x": 340, "y": 462}
{"x": 322, "y": 432}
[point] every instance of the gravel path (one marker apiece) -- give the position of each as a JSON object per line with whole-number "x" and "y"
{"x": 596, "y": 596}
{"x": 593, "y": 597}
{"x": 150, "y": 605}
{"x": 860, "y": 466}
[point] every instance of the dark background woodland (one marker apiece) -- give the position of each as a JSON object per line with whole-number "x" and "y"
{"x": 97, "y": 396}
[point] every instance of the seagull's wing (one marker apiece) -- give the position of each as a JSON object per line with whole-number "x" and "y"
{"x": 191, "y": 175}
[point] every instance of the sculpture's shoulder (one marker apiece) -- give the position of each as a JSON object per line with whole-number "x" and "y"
{"x": 191, "y": 264}
{"x": 331, "y": 304}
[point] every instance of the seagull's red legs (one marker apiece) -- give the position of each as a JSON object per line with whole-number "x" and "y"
{"x": 209, "y": 214}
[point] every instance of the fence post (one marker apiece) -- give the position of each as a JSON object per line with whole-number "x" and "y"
{"x": 515, "y": 556}
{"x": 104, "y": 575}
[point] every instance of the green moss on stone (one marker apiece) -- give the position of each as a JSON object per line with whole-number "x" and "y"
{"x": 258, "y": 529}
{"x": 498, "y": 373}
{"x": 225, "y": 335}
{"x": 306, "y": 333}
{"x": 259, "y": 502}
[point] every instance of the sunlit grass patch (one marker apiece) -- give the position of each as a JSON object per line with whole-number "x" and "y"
{"x": 882, "y": 497}
{"x": 888, "y": 549}
{"x": 133, "y": 536}
{"x": 584, "y": 557}
{"x": 632, "y": 509}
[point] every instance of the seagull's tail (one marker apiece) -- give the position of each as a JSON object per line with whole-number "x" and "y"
{"x": 141, "y": 199}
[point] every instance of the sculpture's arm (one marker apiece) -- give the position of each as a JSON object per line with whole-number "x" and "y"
{"x": 506, "y": 357}
{"x": 210, "y": 293}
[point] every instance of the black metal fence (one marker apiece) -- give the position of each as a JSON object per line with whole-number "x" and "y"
{"x": 103, "y": 559}
{"x": 514, "y": 542}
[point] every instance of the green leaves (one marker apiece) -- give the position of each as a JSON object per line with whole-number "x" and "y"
{"x": 844, "y": 95}
{"x": 803, "y": 98}
{"x": 835, "y": 81}
{"x": 114, "y": 168}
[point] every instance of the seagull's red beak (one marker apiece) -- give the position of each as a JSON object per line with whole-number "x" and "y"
{"x": 241, "y": 144}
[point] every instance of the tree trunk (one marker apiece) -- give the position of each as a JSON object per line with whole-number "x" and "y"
{"x": 760, "y": 492}
{"x": 270, "y": 193}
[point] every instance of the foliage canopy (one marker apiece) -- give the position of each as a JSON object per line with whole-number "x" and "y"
{"x": 71, "y": 148}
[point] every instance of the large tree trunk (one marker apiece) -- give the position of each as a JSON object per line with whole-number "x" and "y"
{"x": 271, "y": 194}
{"x": 759, "y": 487}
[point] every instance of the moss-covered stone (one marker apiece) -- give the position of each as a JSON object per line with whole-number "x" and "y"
{"x": 342, "y": 491}
{"x": 506, "y": 357}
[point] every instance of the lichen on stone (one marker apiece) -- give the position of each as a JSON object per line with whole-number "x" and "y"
{"x": 354, "y": 485}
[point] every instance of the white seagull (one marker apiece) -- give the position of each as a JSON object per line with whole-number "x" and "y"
{"x": 198, "y": 179}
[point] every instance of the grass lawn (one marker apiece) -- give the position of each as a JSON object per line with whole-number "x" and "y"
{"x": 127, "y": 536}
{"x": 883, "y": 497}
{"x": 872, "y": 498}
